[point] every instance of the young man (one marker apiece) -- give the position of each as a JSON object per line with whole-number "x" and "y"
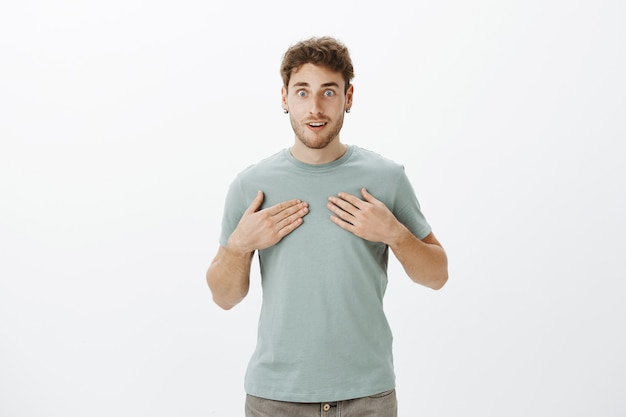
{"x": 322, "y": 216}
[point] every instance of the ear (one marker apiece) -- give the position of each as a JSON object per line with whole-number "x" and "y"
{"x": 283, "y": 93}
{"x": 349, "y": 95}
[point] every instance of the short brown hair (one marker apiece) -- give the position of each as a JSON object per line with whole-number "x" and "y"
{"x": 324, "y": 51}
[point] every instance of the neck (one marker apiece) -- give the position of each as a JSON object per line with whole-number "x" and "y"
{"x": 330, "y": 153}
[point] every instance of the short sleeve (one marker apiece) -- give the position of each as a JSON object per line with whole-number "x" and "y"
{"x": 234, "y": 207}
{"x": 407, "y": 207}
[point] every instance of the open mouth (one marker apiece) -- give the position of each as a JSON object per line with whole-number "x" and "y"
{"x": 317, "y": 124}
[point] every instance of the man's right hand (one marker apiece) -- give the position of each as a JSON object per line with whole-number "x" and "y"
{"x": 260, "y": 229}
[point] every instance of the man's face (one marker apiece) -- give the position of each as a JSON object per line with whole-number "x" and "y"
{"x": 316, "y": 102}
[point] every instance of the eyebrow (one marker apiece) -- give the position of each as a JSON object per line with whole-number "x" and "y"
{"x": 305, "y": 84}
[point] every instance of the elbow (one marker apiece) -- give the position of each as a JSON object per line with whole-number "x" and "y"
{"x": 440, "y": 275}
{"x": 227, "y": 302}
{"x": 222, "y": 295}
{"x": 439, "y": 282}
{"x": 223, "y": 304}
{"x": 440, "y": 279}
{"x": 434, "y": 278}
{"x": 434, "y": 282}
{"x": 225, "y": 298}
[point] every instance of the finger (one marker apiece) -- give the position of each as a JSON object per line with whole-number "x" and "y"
{"x": 342, "y": 213}
{"x": 343, "y": 204}
{"x": 355, "y": 201}
{"x": 292, "y": 217}
{"x": 367, "y": 196}
{"x": 283, "y": 206}
{"x": 342, "y": 223}
{"x": 292, "y": 212}
{"x": 289, "y": 226}
{"x": 256, "y": 203}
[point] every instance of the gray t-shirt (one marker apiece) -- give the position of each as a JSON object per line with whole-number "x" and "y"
{"x": 323, "y": 334}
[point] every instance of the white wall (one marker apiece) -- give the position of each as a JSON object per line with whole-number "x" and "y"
{"x": 123, "y": 122}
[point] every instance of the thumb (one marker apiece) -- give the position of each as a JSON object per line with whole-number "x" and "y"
{"x": 256, "y": 203}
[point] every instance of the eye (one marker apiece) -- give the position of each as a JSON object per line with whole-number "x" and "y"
{"x": 301, "y": 93}
{"x": 329, "y": 93}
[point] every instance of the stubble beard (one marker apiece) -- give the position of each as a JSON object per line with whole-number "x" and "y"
{"x": 314, "y": 140}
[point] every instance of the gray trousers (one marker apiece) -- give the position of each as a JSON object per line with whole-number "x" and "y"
{"x": 384, "y": 404}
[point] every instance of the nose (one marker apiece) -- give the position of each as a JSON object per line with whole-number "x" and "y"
{"x": 316, "y": 105}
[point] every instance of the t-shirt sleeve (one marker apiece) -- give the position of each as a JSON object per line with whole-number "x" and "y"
{"x": 407, "y": 208}
{"x": 234, "y": 208}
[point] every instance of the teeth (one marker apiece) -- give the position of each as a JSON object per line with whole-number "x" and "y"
{"x": 316, "y": 124}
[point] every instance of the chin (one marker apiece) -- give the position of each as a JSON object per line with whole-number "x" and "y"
{"x": 321, "y": 144}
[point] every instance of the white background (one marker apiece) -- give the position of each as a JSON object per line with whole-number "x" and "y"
{"x": 122, "y": 124}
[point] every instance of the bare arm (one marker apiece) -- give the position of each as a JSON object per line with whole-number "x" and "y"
{"x": 424, "y": 261}
{"x": 228, "y": 275}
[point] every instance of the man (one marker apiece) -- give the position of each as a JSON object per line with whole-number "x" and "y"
{"x": 322, "y": 216}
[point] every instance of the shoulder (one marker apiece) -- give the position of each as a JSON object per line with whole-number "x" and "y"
{"x": 376, "y": 162}
{"x": 269, "y": 164}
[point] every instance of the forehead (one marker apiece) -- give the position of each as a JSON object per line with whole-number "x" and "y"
{"x": 315, "y": 76}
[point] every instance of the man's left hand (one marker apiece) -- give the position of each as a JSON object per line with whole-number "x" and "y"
{"x": 369, "y": 219}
